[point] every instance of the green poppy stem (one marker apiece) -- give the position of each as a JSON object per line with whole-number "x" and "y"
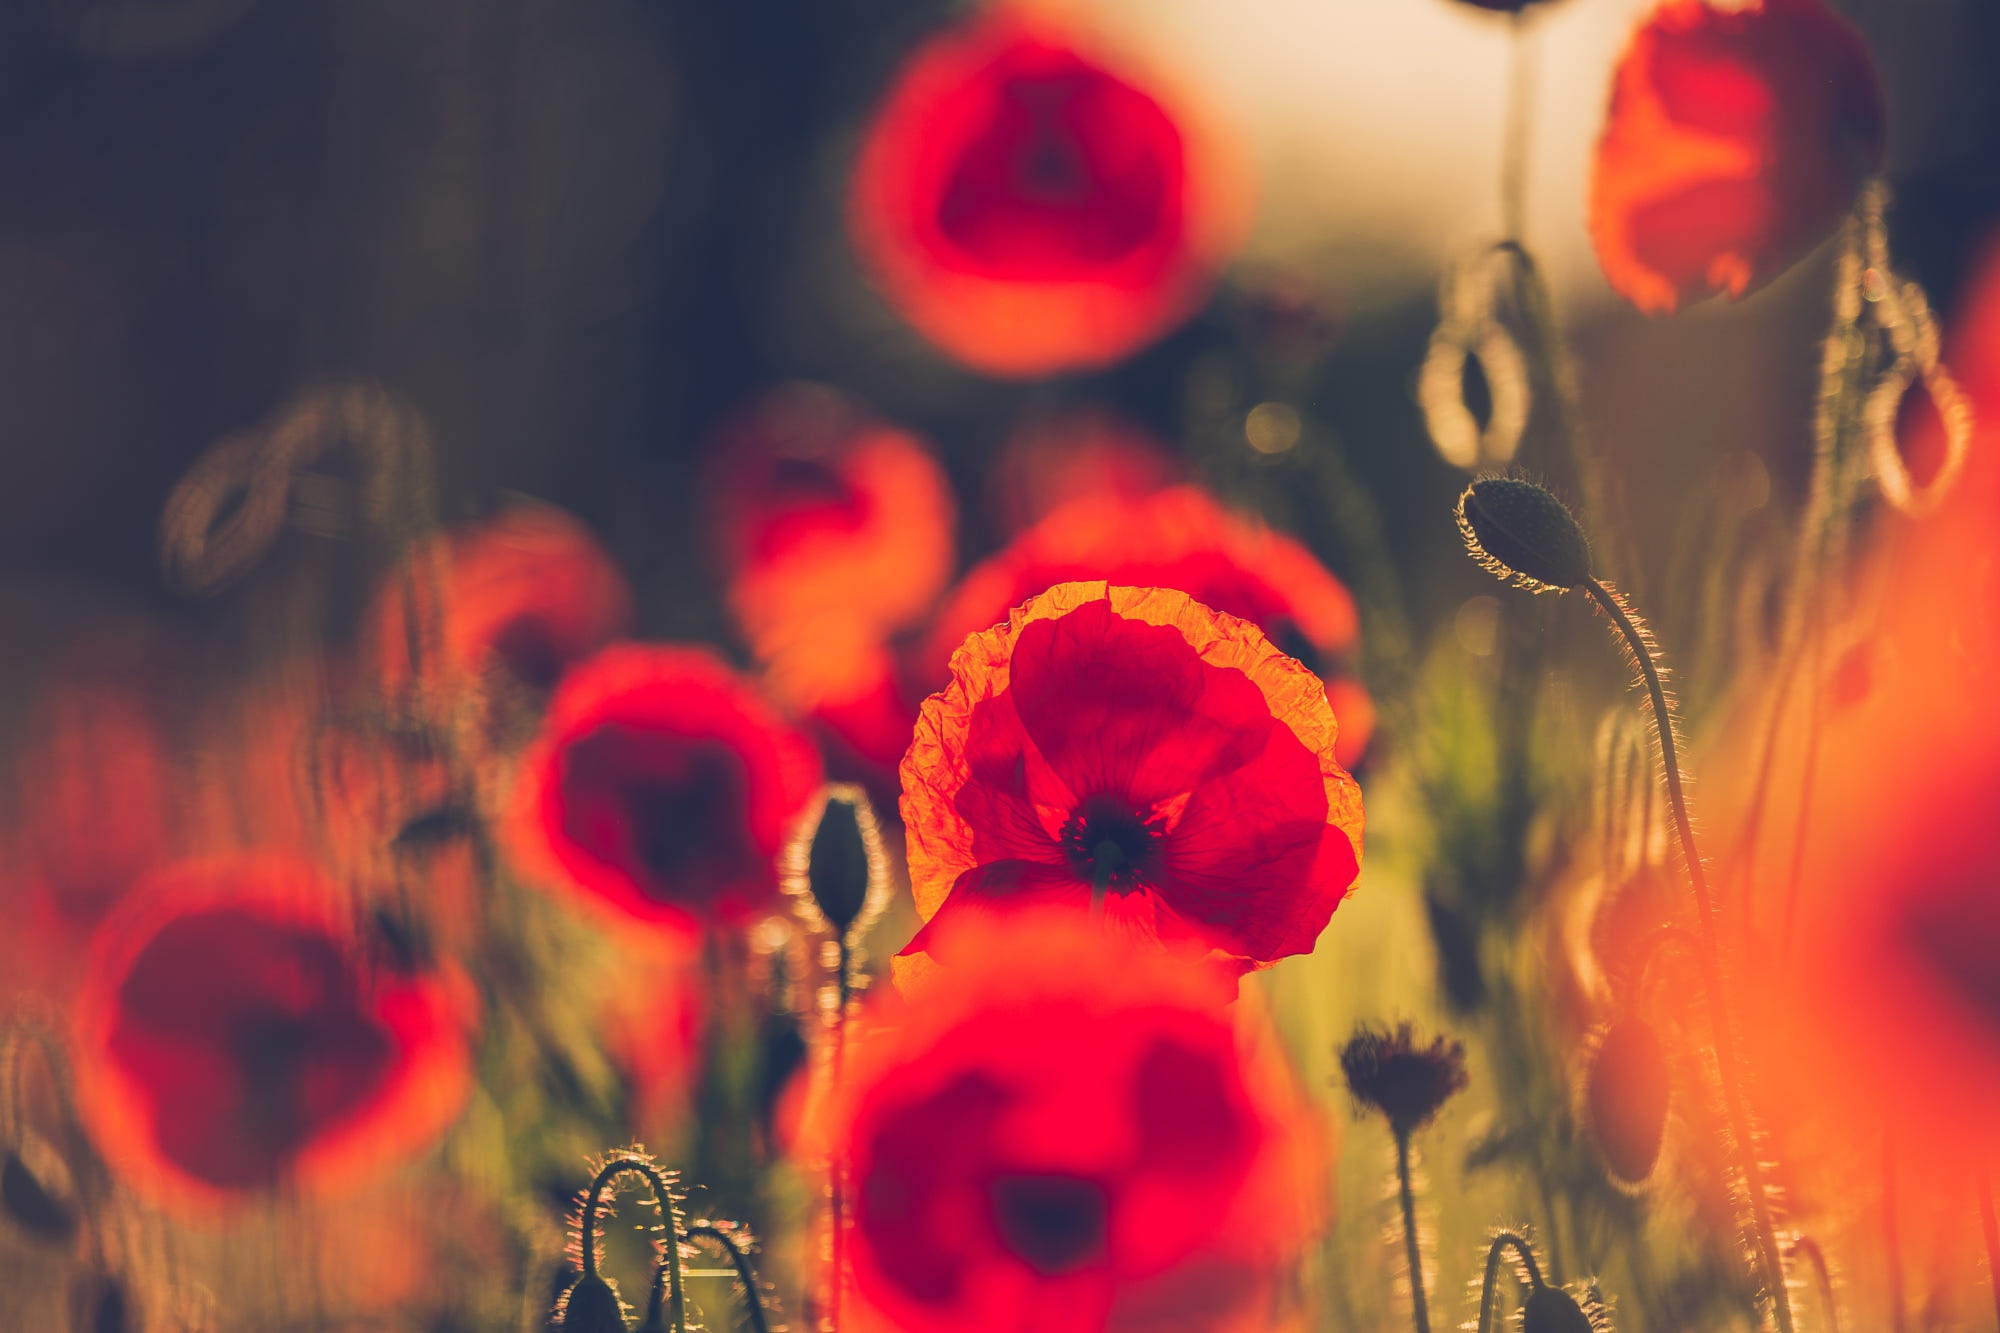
{"x": 674, "y": 1294}
{"x": 1419, "y": 1311}
{"x": 1708, "y": 955}
{"x": 753, "y": 1295}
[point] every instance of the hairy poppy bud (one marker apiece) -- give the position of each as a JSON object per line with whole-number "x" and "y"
{"x": 1524, "y": 535}
{"x": 837, "y": 869}
{"x": 592, "y": 1306}
{"x": 1626, "y": 1092}
{"x": 1553, "y": 1310}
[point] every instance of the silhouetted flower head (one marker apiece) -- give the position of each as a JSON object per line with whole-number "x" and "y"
{"x": 237, "y": 1034}
{"x": 1409, "y": 1083}
{"x": 1066, "y": 1133}
{"x": 1178, "y": 538}
{"x": 1521, "y": 533}
{"x": 1736, "y": 138}
{"x": 660, "y": 789}
{"x": 1133, "y": 741}
{"x": 1030, "y": 207}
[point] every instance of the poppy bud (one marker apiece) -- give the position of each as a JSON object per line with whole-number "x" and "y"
{"x": 592, "y": 1306}
{"x": 1523, "y": 535}
{"x": 1626, "y": 1092}
{"x": 1408, "y": 1083}
{"x": 1553, "y": 1310}
{"x": 35, "y": 1197}
{"x": 98, "y": 1305}
{"x": 837, "y": 869}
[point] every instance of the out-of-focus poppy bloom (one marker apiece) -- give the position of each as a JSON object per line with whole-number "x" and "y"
{"x": 95, "y": 787}
{"x": 1134, "y": 744}
{"x": 1031, "y": 207}
{"x": 650, "y": 1019}
{"x": 660, "y": 788}
{"x": 1178, "y": 538}
{"x": 1736, "y": 138}
{"x": 1049, "y": 461}
{"x": 835, "y": 531}
{"x": 235, "y": 1035}
{"x": 1067, "y": 1135}
{"x": 527, "y": 592}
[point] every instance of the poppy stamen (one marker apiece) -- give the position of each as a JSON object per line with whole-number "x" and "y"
{"x": 1111, "y": 845}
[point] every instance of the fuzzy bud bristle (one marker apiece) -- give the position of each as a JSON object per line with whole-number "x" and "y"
{"x": 1523, "y": 535}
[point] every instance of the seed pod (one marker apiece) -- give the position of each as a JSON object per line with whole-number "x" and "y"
{"x": 592, "y": 1306}
{"x": 837, "y": 868}
{"x": 1627, "y": 1089}
{"x": 1553, "y": 1310}
{"x": 1523, "y": 535}
{"x": 98, "y": 1305}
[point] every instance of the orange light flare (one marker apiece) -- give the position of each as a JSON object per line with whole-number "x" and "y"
{"x": 1179, "y": 538}
{"x": 1068, "y": 1133}
{"x": 1736, "y": 139}
{"x": 1032, "y": 201}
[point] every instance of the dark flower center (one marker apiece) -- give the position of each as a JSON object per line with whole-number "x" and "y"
{"x": 1106, "y": 840}
{"x": 669, "y": 810}
{"x": 1054, "y": 1224}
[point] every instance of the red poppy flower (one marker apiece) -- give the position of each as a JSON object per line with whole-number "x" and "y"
{"x": 1136, "y": 742}
{"x": 528, "y": 592}
{"x": 1736, "y": 138}
{"x": 828, "y": 520}
{"x": 1031, "y": 207}
{"x": 1177, "y": 538}
{"x": 235, "y": 1036}
{"x": 660, "y": 788}
{"x": 1050, "y": 461}
{"x": 1067, "y": 1135}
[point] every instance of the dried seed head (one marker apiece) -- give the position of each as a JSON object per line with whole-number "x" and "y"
{"x": 1523, "y": 535}
{"x": 592, "y": 1306}
{"x": 1626, "y": 1092}
{"x": 1553, "y": 1310}
{"x": 1406, "y": 1082}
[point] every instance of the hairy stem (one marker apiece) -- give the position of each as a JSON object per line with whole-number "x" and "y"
{"x": 1708, "y": 955}
{"x": 670, "y": 1267}
{"x": 1520, "y": 121}
{"x": 753, "y": 1295}
{"x": 1807, "y": 1246}
{"x": 1486, "y": 1287}
{"x": 1419, "y": 1312}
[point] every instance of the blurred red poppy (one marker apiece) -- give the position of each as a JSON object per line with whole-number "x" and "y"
{"x": 1051, "y": 460}
{"x": 1736, "y": 138}
{"x": 835, "y": 531}
{"x": 1133, "y": 742}
{"x": 1030, "y": 207}
{"x": 1067, "y": 1135}
{"x": 235, "y": 1035}
{"x": 1177, "y": 538}
{"x": 660, "y": 789}
{"x": 526, "y": 592}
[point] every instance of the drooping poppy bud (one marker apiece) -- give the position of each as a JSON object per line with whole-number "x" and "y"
{"x": 592, "y": 1306}
{"x": 1736, "y": 138}
{"x": 1523, "y": 535}
{"x": 1626, "y": 1093}
{"x": 1553, "y": 1310}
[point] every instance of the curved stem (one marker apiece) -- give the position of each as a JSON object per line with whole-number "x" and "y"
{"x": 1809, "y": 1247}
{"x": 1501, "y": 1242}
{"x": 1708, "y": 955}
{"x": 753, "y": 1296}
{"x": 1419, "y": 1312}
{"x": 620, "y": 1164}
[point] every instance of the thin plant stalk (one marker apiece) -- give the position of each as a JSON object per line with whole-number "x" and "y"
{"x": 674, "y": 1292}
{"x": 753, "y": 1299}
{"x": 1807, "y": 1246}
{"x": 1419, "y": 1311}
{"x": 1990, "y": 1225}
{"x": 1708, "y": 956}
{"x": 1487, "y": 1287}
{"x": 1521, "y": 80}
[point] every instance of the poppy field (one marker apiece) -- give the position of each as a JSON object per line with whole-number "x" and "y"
{"x": 1036, "y": 666}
